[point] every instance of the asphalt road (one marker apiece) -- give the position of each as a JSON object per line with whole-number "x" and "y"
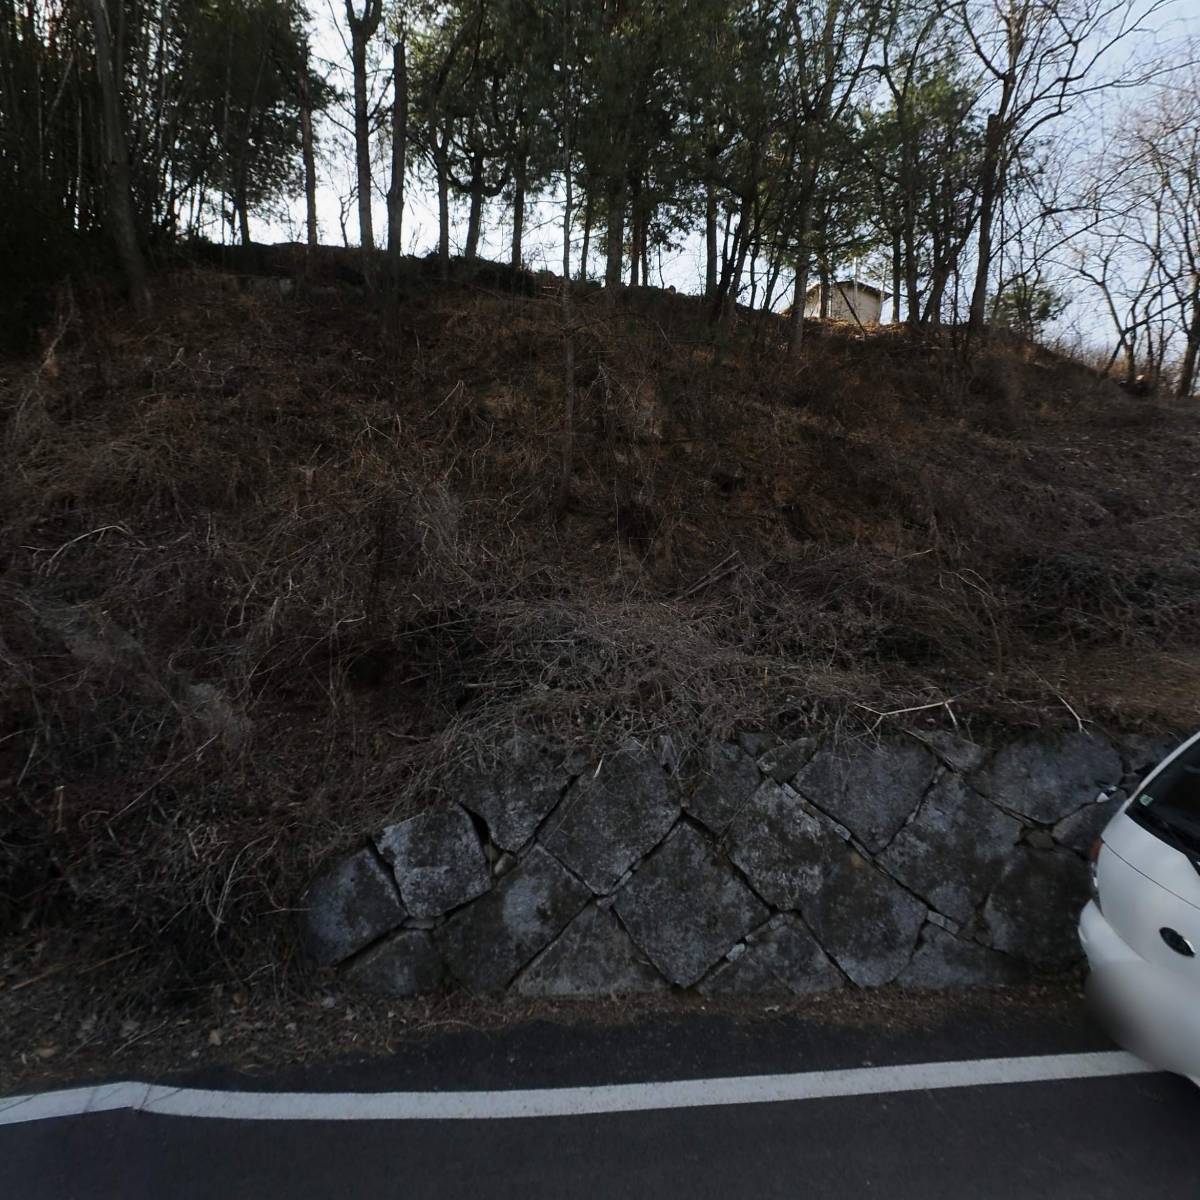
{"x": 1122, "y": 1136}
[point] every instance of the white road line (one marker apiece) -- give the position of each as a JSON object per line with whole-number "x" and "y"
{"x": 562, "y": 1102}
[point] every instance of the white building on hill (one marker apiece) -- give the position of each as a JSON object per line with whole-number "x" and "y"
{"x": 848, "y": 299}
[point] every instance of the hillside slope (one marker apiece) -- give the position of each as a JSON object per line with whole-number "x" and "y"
{"x": 265, "y": 564}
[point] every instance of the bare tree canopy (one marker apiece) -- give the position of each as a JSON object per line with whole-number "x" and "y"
{"x": 954, "y": 153}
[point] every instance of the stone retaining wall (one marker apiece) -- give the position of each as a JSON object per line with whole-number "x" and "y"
{"x": 779, "y": 867}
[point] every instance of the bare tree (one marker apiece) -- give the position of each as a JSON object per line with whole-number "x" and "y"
{"x": 568, "y": 117}
{"x": 362, "y": 30}
{"x": 308, "y": 153}
{"x": 116, "y": 153}
{"x": 1040, "y": 58}
{"x": 1140, "y": 247}
{"x": 395, "y": 196}
{"x": 827, "y": 60}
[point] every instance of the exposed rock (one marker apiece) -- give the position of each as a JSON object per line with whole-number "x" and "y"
{"x": 348, "y": 906}
{"x": 486, "y": 944}
{"x": 515, "y": 795}
{"x": 1143, "y": 752}
{"x": 1045, "y": 779}
{"x": 943, "y": 922}
{"x": 405, "y": 964}
{"x": 958, "y": 753}
{"x": 438, "y": 860}
{"x": 952, "y": 852}
{"x": 782, "y": 958}
{"x": 944, "y": 961}
{"x": 685, "y": 907}
{"x": 781, "y": 846}
{"x": 782, "y": 762}
{"x": 756, "y": 744}
{"x": 1032, "y": 911}
{"x": 871, "y": 788}
{"x": 1040, "y": 839}
{"x": 611, "y": 817}
{"x": 725, "y": 786}
{"x": 865, "y": 922}
{"x": 593, "y": 956}
{"x": 503, "y": 864}
{"x": 1080, "y": 830}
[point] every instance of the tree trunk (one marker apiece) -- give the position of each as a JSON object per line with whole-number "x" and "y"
{"x": 615, "y": 236}
{"x": 568, "y": 431}
{"x": 475, "y": 213}
{"x": 912, "y": 284}
{"x": 309, "y": 156}
{"x": 362, "y": 29}
{"x": 443, "y": 189}
{"x": 395, "y": 196}
{"x": 989, "y": 189}
{"x": 742, "y": 247}
{"x": 774, "y": 266}
{"x": 362, "y": 146}
{"x": 710, "y": 243}
{"x": 897, "y": 270}
{"x": 519, "y": 212}
{"x": 587, "y": 237}
{"x": 1191, "y": 353}
{"x": 241, "y": 207}
{"x": 120, "y": 199}
{"x": 635, "y": 255}
{"x": 796, "y": 338}
{"x": 754, "y": 253}
{"x": 824, "y": 275}
{"x": 937, "y": 293}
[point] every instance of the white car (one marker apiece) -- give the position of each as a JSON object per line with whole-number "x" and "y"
{"x": 1141, "y": 929}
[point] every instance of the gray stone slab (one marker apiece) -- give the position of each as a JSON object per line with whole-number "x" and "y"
{"x": 1032, "y": 912}
{"x": 438, "y": 860}
{"x": 945, "y": 961}
{"x": 1143, "y": 752}
{"x": 726, "y": 783}
{"x": 952, "y": 852}
{"x": 685, "y": 907}
{"x": 958, "y": 753}
{"x": 487, "y": 943}
{"x": 782, "y": 958}
{"x": 611, "y": 817}
{"x": 1080, "y": 830}
{"x": 781, "y": 846}
{"x": 347, "y": 906}
{"x": 1047, "y": 778}
{"x": 756, "y": 744}
{"x": 515, "y": 795}
{"x": 871, "y": 788}
{"x": 593, "y": 956}
{"x": 866, "y": 923}
{"x": 405, "y": 964}
{"x": 783, "y": 762}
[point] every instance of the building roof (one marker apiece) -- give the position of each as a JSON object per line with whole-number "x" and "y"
{"x": 849, "y": 283}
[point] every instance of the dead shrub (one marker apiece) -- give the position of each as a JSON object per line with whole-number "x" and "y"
{"x": 269, "y": 571}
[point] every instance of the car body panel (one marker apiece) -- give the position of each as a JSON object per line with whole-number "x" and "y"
{"x": 1138, "y": 908}
{"x": 1137, "y": 929}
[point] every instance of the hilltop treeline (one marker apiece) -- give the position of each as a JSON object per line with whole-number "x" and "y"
{"x": 936, "y": 139}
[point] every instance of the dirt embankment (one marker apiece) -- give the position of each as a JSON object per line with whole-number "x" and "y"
{"x": 267, "y": 564}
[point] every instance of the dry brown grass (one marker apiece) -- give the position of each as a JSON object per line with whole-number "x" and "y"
{"x": 266, "y": 569}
